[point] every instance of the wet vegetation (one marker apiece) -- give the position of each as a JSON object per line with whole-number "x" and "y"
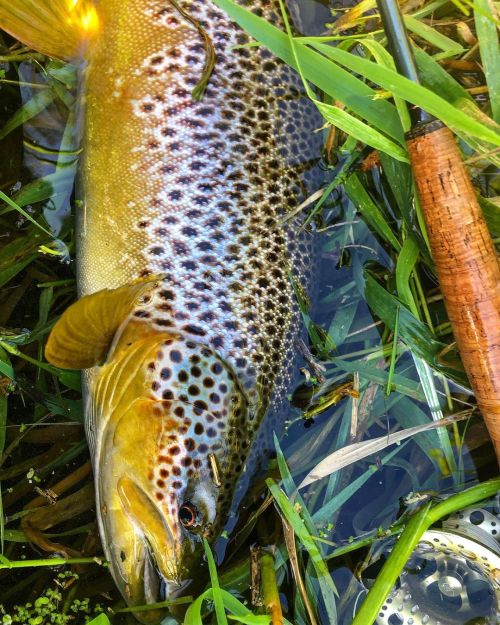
{"x": 380, "y": 357}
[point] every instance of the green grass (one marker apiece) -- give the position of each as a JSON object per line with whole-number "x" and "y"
{"x": 379, "y": 326}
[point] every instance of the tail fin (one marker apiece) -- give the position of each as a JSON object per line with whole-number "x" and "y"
{"x": 59, "y": 28}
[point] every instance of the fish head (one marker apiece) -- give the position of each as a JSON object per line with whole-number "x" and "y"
{"x": 172, "y": 441}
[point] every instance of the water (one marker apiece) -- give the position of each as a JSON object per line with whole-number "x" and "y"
{"x": 355, "y": 502}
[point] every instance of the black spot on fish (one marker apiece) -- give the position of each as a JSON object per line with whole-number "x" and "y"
{"x": 217, "y": 341}
{"x": 194, "y": 330}
{"x": 165, "y": 373}
{"x": 175, "y": 356}
{"x": 176, "y": 194}
{"x": 166, "y": 294}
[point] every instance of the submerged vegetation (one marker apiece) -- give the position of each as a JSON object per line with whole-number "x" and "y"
{"x": 380, "y": 358}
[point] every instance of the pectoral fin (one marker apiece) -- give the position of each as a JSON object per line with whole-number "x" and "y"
{"x": 82, "y": 336}
{"x": 60, "y": 28}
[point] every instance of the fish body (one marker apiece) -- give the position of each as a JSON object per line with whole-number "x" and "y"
{"x": 187, "y": 323}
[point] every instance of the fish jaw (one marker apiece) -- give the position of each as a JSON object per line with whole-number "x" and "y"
{"x": 141, "y": 538}
{"x": 167, "y": 459}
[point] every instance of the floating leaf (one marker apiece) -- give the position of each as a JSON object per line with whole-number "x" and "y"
{"x": 102, "y": 619}
{"x": 359, "y": 451}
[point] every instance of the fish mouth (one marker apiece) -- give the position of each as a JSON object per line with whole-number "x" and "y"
{"x": 144, "y": 548}
{"x": 158, "y": 588}
{"x": 153, "y": 588}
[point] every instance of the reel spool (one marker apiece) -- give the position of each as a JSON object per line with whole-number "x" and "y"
{"x": 452, "y": 577}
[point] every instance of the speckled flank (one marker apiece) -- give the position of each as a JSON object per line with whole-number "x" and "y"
{"x": 210, "y": 414}
{"x": 195, "y": 193}
{"x": 205, "y": 183}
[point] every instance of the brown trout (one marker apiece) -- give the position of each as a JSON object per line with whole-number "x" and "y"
{"x": 188, "y": 319}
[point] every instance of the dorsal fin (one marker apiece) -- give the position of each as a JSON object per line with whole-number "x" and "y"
{"x": 59, "y": 28}
{"x": 82, "y": 337}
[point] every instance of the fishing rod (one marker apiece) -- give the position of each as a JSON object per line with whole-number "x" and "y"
{"x": 462, "y": 249}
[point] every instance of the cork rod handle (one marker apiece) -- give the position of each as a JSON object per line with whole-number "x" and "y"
{"x": 466, "y": 264}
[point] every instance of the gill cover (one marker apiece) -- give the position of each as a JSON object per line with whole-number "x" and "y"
{"x": 60, "y": 28}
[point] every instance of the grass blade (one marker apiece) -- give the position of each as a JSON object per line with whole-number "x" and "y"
{"x": 193, "y": 613}
{"x": 217, "y": 595}
{"x": 413, "y": 333}
{"x": 405, "y": 264}
{"x": 325, "y": 581}
{"x": 411, "y": 92}
{"x": 383, "y": 57}
{"x": 409, "y": 539}
{"x": 12, "y": 204}
{"x": 433, "y": 36}
{"x": 392, "y": 363}
{"x": 329, "y": 509}
{"x": 36, "y": 105}
{"x": 370, "y": 211}
{"x": 291, "y": 488}
{"x": 361, "y": 131}
{"x": 399, "y": 383}
{"x": 489, "y": 47}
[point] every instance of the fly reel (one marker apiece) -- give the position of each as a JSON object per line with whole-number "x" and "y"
{"x": 452, "y": 577}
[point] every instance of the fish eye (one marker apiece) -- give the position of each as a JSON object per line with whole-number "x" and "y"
{"x": 188, "y": 515}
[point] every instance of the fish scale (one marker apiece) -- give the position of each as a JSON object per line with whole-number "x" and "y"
{"x": 185, "y": 258}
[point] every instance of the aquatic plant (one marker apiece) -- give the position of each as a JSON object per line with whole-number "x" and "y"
{"x": 362, "y": 376}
